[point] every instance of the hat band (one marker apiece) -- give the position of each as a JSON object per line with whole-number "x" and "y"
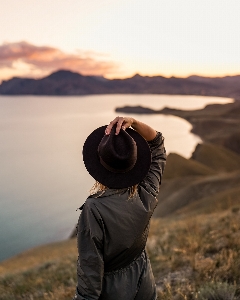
{"x": 106, "y": 166}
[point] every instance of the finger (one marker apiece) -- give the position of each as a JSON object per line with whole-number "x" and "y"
{"x": 109, "y": 127}
{"x": 119, "y": 125}
{"x": 126, "y": 123}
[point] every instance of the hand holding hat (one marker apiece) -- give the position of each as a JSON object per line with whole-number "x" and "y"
{"x": 122, "y": 123}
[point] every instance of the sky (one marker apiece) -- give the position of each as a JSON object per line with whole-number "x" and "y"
{"x": 119, "y": 38}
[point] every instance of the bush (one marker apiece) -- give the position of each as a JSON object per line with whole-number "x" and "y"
{"x": 218, "y": 291}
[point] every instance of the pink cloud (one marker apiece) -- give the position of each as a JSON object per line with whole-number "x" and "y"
{"x": 46, "y": 58}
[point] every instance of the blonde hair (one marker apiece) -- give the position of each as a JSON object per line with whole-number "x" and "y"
{"x": 98, "y": 187}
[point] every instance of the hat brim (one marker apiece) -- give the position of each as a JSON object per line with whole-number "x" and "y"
{"x": 108, "y": 178}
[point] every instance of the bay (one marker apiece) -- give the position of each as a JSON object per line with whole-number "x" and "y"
{"x": 42, "y": 177}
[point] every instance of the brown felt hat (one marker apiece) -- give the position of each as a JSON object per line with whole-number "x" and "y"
{"x": 116, "y": 161}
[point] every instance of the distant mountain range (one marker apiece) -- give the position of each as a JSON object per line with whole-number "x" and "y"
{"x": 64, "y": 82}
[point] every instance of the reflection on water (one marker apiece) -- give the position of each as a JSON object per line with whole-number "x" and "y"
{"x": 42, "y": 176}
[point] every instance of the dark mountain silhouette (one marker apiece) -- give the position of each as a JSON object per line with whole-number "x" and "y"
{"x": 58, "y": 83}
{"x": 65, "y": 82}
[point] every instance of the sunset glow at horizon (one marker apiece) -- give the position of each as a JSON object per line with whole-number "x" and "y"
{"x": 120, "y": 38}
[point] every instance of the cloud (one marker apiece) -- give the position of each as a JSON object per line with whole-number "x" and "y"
{"x": 44, "y": 59}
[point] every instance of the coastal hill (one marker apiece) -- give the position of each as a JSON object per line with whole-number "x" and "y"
{"x": 64, "y": 82}
{"x": 216, "y": 123}
{"x": 210, "y": 180}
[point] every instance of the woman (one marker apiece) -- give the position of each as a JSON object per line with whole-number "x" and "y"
{"x": 113, "y": 226}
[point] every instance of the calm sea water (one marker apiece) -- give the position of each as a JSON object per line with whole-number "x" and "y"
{"x": 42, "y": 177}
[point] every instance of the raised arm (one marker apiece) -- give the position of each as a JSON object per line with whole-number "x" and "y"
{"x": 152, "y": 181}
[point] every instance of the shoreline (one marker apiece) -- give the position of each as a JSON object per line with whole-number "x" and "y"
{"x": 215, "y": 123}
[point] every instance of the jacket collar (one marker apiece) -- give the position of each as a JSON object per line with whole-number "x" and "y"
{"x": 106, "y": 193}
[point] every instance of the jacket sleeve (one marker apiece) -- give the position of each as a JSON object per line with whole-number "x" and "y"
{"x": 152, "y": 181}
{"x": 90, "y": 265}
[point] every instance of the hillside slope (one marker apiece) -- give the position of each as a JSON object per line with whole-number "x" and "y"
{"x": 216, "y": 157}
{"x": 172, "y": 199}
{"x": 178, "y": 166}
{"x": 220, "y": 201}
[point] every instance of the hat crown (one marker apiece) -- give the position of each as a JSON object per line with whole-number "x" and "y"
{"x": 117, "y": 153}
{"x": 109, "y": 178}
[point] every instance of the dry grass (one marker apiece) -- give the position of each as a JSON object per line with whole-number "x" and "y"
{"x": 37, "y": 256}
{"x": 189, "y": 254}
{"x": 193, "y": 258}
{"x": 51, "y": 280}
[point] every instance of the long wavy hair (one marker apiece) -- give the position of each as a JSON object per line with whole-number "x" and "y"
{"x": 98, "y": 187}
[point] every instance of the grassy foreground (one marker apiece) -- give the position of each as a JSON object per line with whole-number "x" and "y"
{"x": 197, "y": 257}
{"x": 193, "y": 258}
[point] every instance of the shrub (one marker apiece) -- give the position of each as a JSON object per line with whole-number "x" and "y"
{"x": 218, "y": 291}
